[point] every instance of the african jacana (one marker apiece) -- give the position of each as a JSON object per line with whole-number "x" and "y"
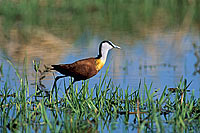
{"x": 85, "y": 68}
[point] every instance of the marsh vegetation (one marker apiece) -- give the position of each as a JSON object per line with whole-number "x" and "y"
{"x": 152, "y": 84}
{"x": 99, "y": 108}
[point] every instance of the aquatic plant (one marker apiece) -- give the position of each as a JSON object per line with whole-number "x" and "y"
{"x": 96, "y": 108}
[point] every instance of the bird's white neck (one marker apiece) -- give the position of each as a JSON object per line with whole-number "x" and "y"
{"x": 103, "y": 51}
{"x": 104, "y": 54}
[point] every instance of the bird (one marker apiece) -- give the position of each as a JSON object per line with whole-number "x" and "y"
{"x": 85, "y": 68}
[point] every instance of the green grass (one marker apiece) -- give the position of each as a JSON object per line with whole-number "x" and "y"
{"x": 97, "y": 108}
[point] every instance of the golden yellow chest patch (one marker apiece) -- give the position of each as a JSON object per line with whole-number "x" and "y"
{"x": 99, "y": 64}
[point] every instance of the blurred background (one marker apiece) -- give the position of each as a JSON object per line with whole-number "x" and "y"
{"x": 160, "y": 39}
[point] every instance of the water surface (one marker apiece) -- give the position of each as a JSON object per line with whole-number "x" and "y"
{"x": 160, "y": 43}
{"x": 159, "y": 58}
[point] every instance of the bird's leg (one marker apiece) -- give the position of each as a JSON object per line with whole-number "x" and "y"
{"x": 69, "y": 87}
{"x": 54, "y": 84}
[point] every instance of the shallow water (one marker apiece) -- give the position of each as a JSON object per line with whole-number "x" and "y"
{"x": 158, "y": 45}
{"x": 159, "y": 58}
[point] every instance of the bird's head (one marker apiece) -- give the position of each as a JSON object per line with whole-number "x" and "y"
{"x": 105, "y": 46}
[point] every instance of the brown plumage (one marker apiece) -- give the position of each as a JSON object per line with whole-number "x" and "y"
{"x": 79, "y": 70}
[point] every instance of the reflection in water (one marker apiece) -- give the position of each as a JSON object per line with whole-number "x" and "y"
{"x": 162, "y": 58}
{"x": 41, "y": 45}
{"x": 156, "y": 39}
{"x": 197, "y": 55}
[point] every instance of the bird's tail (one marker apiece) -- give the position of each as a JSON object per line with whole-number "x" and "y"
{"x": 54, "y": 67}
{"x": 60, "y": 68}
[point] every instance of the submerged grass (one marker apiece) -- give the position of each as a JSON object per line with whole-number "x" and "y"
{"x": 98, "y": 108}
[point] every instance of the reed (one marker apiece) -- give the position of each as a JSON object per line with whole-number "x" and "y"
{"x": 97, "y": 108}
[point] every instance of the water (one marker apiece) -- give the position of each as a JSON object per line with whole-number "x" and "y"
{"x": 157, "y": 58}
{"x": 157, "y": 43}
{"x": 160, "y": 58}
